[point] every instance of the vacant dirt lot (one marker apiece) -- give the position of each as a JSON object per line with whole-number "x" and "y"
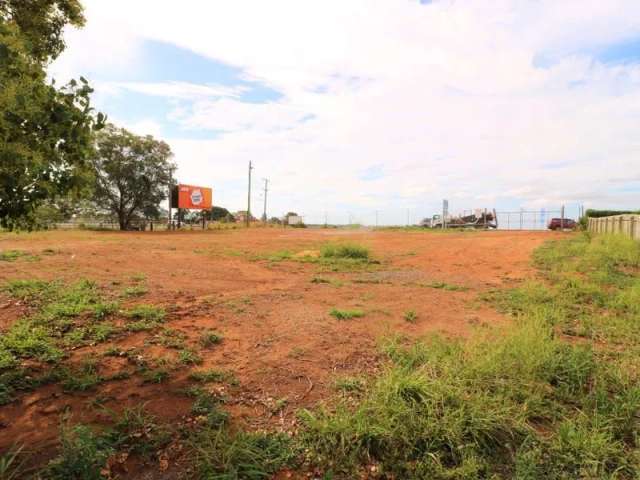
{"x": 280, "y": 342}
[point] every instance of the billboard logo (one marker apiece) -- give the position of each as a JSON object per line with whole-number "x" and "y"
{"x": 190, "y": 196}
{"x": 196, "y": 197}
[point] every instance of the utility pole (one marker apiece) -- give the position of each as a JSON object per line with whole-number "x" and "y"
{"x": 249, "y": 196}
{"x": 266, "y": 189}
{"x": 376, "y": 218}
{"x": 170, "y": 226}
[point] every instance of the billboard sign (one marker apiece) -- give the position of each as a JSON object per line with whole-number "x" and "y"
{"x": 191, "y": 197}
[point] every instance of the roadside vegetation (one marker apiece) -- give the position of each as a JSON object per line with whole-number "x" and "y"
{"x": 523, "y": 401}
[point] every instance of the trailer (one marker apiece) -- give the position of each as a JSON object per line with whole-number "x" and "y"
{"x": 480, "y": 219}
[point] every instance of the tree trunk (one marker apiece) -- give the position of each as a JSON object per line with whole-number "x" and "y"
{"x": 123, "y": 221}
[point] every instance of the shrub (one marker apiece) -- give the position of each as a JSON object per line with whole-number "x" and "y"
{"x": 344, "y": 250}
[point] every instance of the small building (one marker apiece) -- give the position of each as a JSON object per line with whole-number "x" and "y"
{"x": 293, "y": 220}
{"x": 241, "y": 216}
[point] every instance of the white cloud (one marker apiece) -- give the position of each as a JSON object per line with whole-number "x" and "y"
{"x": 445, "y": 96}
{"x": 174, "y": 90}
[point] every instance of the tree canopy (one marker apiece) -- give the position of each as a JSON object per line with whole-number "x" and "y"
{"x": 132, "y": 174}
{"x": 217, "y": 214}
{"x": 41, "y": 23}
{"x": 46, "y": 132}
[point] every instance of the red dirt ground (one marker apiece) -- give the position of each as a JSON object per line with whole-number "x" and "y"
{"x": 279, "y": 339}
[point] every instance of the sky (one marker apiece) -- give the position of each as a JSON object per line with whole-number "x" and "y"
{"x": 352, "y": 107}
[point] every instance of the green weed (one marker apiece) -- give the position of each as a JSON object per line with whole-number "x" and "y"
{"x": 330, "y": 281}
{"x": 11, "y": 463}
{"x": 13, "y": 255}
{"x": 82, "y": 378}
{"x": 346, "y": 314}
{"x": 222, "y": 455}
{"x": 411, "y": 316}
{"x": 138, "y": 277}
{"x": 446, "y": 286}
{"x": 345, "y": 250}
{"x": 135, "y": 291}
{"x": 146, "y": 317}
{"x": 189, "y": 357}
{"x": 155, "y": 375}
{"x": 349, "y": 384}
{"x": 169, "y": 338}
{"x": 207, "y": 407}
{"x": 209, "y": 338}
{"x": 83, "y": 455}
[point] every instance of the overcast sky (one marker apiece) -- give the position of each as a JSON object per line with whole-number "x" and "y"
{"x": 353, "y": 106}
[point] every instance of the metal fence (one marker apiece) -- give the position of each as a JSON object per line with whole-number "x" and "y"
{"x": 527, "y": 219}
{"x": 628, "y": 225}
{"x": 522, "y": 219}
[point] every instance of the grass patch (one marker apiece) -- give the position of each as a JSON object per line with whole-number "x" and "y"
{"x": 63, "y": 316}
{"x": 82, "y": 378}
{"x": 328, "y": 281}
{"x": 11, "y": 463}
{"x": 346, "y": 314}
{"x": 13, "y": 255}
{"x": 335, "y": 257}
{"x": 209, "y": 338}
{"x": 351, "y": 251}
{"x": 84, "y": 452}
{"x": 349, "y": 384}
{"x": 411, "y": 316}
{"x": 221, "y": 454}
{"x": 145, "y": 317}
{"x": 207, "y": 409}
{"x": 446, "y": 286}
{"x": 189, "y": 357}
{"x": 169, "y": 338}
{"x": 155, "y": 375}
{"x": 510, "y": 402}
{"x": 135, "y": 291}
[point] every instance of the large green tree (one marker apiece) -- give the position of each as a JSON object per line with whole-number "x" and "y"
{"x": 41, "y": 23}
{"x": 46, "y": 131}
{"x": 132, "y": 174}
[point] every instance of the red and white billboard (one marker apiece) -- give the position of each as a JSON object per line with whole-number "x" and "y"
{"x": 191, "y": 197}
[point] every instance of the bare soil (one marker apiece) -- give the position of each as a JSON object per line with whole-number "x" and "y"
{"x": 279, "y": 339}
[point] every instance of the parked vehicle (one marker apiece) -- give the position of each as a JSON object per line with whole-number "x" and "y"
{"x": 560, "y": 223}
